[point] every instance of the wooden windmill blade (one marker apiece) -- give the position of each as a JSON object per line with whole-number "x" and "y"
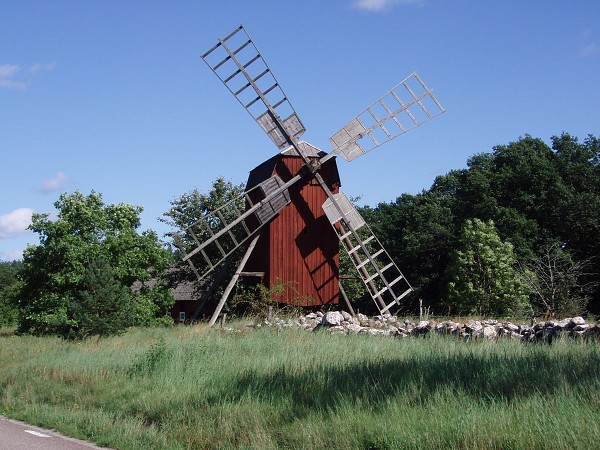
{"x": 383, "y": 279}
{"x": 404, "y": 107}
{"x": 210, "y": 240}
{"x": 242, "y": 69}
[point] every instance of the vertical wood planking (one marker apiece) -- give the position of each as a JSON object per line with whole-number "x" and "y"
{"x": 299, "y": 247}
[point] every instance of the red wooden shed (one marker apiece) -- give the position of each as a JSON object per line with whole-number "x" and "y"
{"x": 299, "y": 247}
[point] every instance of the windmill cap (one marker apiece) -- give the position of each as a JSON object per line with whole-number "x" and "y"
{"x": 308, "y": 149}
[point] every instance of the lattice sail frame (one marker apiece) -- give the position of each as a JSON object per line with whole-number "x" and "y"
{"x": 406, "y": 106}
{"x": 218, "y": 234}
{"x": 240, "y": 66}
{"x": 383, "y": 279}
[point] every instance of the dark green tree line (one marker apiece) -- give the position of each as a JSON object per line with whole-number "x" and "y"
{"x": 535, "y": 194}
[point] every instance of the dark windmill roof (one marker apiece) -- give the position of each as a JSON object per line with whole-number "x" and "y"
{"x": 265, "y": 170}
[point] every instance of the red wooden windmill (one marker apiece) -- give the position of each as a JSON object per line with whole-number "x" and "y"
{"x": 295, "y": 215}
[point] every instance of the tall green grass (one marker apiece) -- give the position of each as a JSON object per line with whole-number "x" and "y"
{"x": 188, "y": 387}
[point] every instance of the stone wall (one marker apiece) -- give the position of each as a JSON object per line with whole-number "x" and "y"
{"x": 388, "y": 325}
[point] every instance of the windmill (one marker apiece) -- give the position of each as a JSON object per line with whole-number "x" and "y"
{"x": 214, "y": 238}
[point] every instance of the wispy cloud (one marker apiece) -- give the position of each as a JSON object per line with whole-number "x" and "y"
{"x": 18, "y": 77}
{"x": 15, "y": 222}
{"x": 37, "y": 67}
{"x": 56, "y": 183}
{"x": 589, "y": 49}
{"x": 8, "y": 70}
{"x": 383, "y": 5}
{"x": 589, "y": 46}
{"x": 7, "y": 74}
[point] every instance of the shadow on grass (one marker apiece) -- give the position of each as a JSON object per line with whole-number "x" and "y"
{"x": 419, "y": 380}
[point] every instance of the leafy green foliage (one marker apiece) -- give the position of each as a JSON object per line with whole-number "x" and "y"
{"x": 104, "y": 306}
{"x": 418, "y": 231}
{"x": 483, "y": 276}
{"x": 193, "y": 205}
{"x": 258, "y": 300}
{"x": 9, "y": 284}
{"x": 84, "y": 231}
{"x": 534, "y": 194}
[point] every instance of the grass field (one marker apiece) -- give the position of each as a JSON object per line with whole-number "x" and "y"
{"x": 188, "y": 387}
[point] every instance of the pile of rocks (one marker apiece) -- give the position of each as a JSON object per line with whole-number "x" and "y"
{"x": 344, "y": 323}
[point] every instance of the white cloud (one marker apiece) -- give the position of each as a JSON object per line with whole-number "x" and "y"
{"x": 590, "y": 49}
{"x": 7, "y": 72}
{"x": 15, "y": 222}
{"x": 383, "y": 5}
{"x": 12, "y": 84}
{"x": 56, "y": 183}
{"x": 15, "y": 76}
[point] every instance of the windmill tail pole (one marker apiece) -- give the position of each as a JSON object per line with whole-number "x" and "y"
{"x": 234, "y": 279}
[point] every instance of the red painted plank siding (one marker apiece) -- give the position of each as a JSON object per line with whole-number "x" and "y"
{"x": 299, "y": 248}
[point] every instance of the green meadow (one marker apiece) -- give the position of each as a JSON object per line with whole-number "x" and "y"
{"x": 195, "y": 388}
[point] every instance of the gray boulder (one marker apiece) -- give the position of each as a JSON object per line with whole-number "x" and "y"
{"x": 347, "y": 316}
{"x": 362, "y": 319}
{"x": 473, "y": 326}
{"x": 354, "y": 328}
{"x": 332, "y": 319}
{"x": 487, "y": 331}
{"x": 578, "y": 321}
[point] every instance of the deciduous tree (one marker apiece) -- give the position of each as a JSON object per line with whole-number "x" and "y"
{"x": 558, "y": 283}
{"x": 483, "y": 275}
{"x": 103, "y": 306}
{"x": 86, "y": 229}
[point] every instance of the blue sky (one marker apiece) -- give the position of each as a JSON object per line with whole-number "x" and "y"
{"x": 112, "y": 96}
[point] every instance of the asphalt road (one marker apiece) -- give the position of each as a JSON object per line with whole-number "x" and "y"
{"x": 15, "y": 435}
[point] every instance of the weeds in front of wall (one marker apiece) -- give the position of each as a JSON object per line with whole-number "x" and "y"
{"x": 259, "y": 301}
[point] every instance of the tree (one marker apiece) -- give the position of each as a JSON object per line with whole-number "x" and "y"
{"x": 579, "y": 227}
{"x": 558, "y": 282}
{"x": 8, "y": 286}
{"x": 483, "y": 277}
{"x": 85, "y": 230}
{"x": 189, "y": 207}
{"x": 103, "y": 306}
